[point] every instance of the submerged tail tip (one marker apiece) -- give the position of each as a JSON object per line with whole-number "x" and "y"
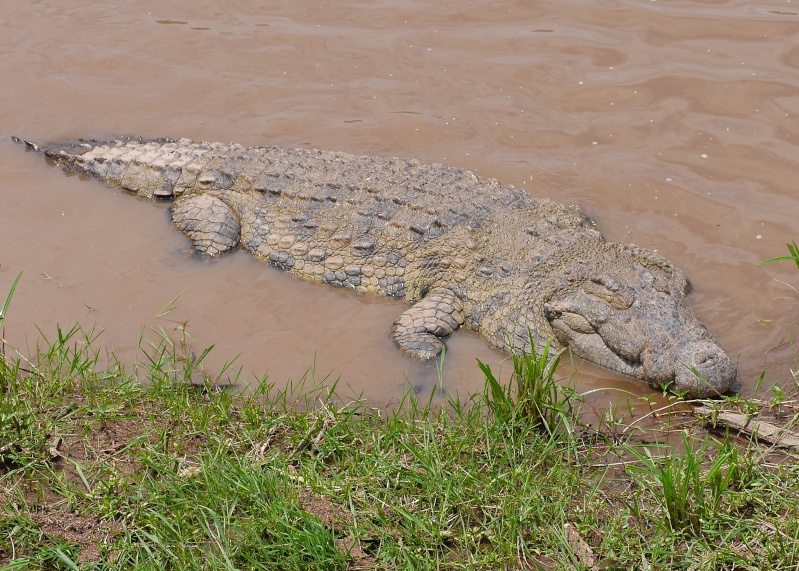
{"x": 29, "y": 144}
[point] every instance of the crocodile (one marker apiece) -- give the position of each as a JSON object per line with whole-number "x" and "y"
{"x": 462, "y": 250}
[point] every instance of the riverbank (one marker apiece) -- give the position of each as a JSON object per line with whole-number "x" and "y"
{"x": 162, "y": 467}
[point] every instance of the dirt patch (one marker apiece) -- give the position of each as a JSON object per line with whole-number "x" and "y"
{"x": 334, "y": 516}
{"x": 88, "y": 532}
{"x": 324, "y": 510}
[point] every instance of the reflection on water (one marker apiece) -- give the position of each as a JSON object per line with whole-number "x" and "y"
{"x": 673, "y": 124}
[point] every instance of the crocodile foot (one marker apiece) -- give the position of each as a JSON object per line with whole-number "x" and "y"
{"x": 208, "y": 222}
{"x": 419, "y": 330}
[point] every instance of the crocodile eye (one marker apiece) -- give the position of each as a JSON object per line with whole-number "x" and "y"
{"x": 606, "y": 282}
{"x": 610, "y": 291}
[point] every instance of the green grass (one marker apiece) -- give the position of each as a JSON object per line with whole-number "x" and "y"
{"x": 156, "y": 465}
{"x": 539, "y": 400}
{"x": 100, "y": 471}
{"x": 692, "y": 496}
{"x": 793, "y": 255}
{"x": 4, "y": 309}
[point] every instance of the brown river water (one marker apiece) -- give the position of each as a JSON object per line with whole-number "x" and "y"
{"x": 673, "y": 123}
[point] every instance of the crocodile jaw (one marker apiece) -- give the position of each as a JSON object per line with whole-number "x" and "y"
{"x": 591, "y": 347}
{"x": 643, "y": 333}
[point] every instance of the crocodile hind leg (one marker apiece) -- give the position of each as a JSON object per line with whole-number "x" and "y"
{"x": 208, "y": 222}
{"x": 420, "y": 330}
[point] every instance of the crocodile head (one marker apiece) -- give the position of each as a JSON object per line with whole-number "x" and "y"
{"x": 641, "y": 327}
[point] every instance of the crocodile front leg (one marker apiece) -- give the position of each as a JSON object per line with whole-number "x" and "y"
{"x": 208, "y": 222}
{"x": 419, "y": 330}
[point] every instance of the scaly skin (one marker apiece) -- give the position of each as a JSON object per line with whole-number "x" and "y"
{"x": 462, "y": 250}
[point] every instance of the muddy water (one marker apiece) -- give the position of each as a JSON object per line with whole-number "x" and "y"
{"x": 674, "y": 124}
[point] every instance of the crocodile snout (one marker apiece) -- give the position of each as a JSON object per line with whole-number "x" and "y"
{"x": 703, "y": 369}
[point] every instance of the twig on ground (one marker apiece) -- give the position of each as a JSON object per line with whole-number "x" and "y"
{"x": 761, "y": 430}
{"x": 581, "y": 549}
{"x": 53, "y": 449}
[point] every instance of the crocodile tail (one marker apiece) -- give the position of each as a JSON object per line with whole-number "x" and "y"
{"x": 69, "y": 154}
{"x": 29, "y": 144}
{"x": 60, "y": 151}
{"x": 126, "y": 162}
